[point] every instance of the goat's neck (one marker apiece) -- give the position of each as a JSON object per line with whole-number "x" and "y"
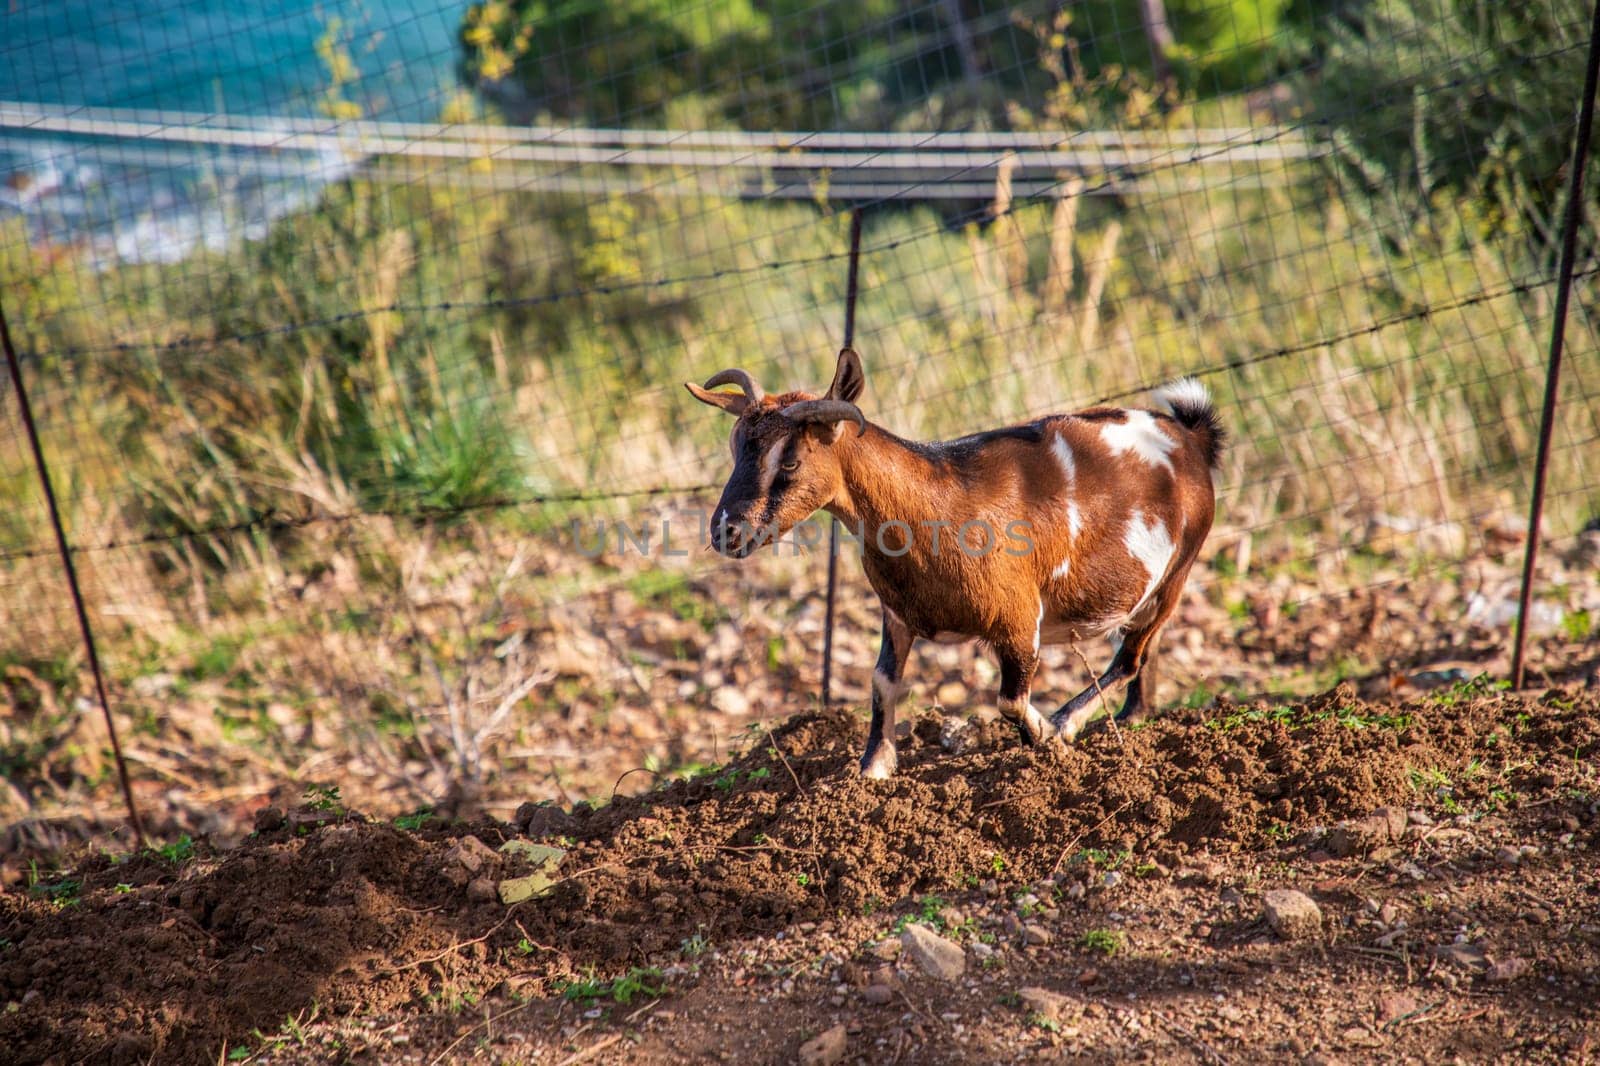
{"x": 886, "y": 480}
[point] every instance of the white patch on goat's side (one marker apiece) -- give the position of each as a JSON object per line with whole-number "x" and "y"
{"x": 1069, "y": 472}
{"x": 1185, "y": 392}
{"x": 1141, "y": 435}
{"x": 1064, "y": 456}
{"x": 1038, "y": 626}
{"x": 1151, "y": 544}
{"x": 769, "y": 464}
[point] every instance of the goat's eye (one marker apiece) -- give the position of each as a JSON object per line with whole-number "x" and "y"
{"x": 790, "y": 467}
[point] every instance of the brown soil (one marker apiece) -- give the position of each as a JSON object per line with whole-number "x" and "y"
{"x": 765, "y": 891}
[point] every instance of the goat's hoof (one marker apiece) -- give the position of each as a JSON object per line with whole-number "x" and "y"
{"x": 880, "y": 765}
{"x": 1066, "y": 732}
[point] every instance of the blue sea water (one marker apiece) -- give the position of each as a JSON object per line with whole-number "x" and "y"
{"x": 135, "y": 200}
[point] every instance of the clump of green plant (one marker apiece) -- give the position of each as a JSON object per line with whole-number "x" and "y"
{"x": 415, "y": 820}
{"x": 1470, "y": 689}
{"x": 1434, "y": 782}
{"x": 1102, "y": 859}
{"x": 589, "y": 989}
{"x": 178, "y": 851}
{"x": 1577, "y": 625}
{"x": 1105, "y": 942}
{"x": 927, "y": 913}
{"x": 63, "y": 893}
{"x": 324, "y": 798}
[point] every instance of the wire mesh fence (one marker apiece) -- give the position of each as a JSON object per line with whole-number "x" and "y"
{"x": 356, "y": 338}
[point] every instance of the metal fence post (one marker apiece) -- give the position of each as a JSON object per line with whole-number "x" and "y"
{"x": 65, "y": 549}
{"x": 851, "y": 287}
{"x": 1558, "y": 330}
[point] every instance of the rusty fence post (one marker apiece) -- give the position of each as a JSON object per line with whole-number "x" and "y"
{"x": 851, "y": 287}
{"x": 1558, "y": 330}
{"x": 29, "y": 427}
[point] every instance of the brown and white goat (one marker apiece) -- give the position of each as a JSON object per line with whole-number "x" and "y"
{"x": 1067, "y": 527}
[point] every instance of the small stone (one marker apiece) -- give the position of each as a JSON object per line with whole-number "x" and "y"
{"x": 1051, "y": 1006}
{"x": 887, "y": 950}
{"x": 1394, "y": 820}
{"x": 937, "y": 956}
{"x": 826, "y": 1049}
{"x": 1088, "y": 977}
{"x": 1111, "y": 879}
{"x": 516, "y": 889}
{"x": 1395, "y": 1005}
{"x": 877, "y": 995}
{"x": 480, "y": 890}
{"x": 1035, "y": 934}
{"x": 981, "y": 951}
{"x": 1507, "y": 856}
{"x": 1292, "y": 914}
{"x": 1357, "y": 837}
{"x": 730, "y": 701}
{"x": 1076, "y": 891}
{"x": 1416, "y": 817}
{"x": 1466, "y": 956}
{"x": 1506, "y": 970}
{"x": 470, "y": 854}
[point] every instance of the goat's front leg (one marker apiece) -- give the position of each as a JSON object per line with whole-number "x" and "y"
{"x": 888, "y": 682}
{"x": 1017, "y": 665}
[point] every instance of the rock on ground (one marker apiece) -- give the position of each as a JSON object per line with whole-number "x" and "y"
{"x": 937, "y": 956}
{"x": 826, "y": 1049}
{"x": 1292, "y": 914}
{"x": 1051, "y": 1006}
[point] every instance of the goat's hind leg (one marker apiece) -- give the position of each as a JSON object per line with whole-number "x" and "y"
{"x": 1136, "y": 706}
{"x": 1076, "y": 712}
{"x": 888, "y": 681}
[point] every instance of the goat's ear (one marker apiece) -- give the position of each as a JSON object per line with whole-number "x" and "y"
{"x": 848, "y": 378}
{"x": 732, "y": 402}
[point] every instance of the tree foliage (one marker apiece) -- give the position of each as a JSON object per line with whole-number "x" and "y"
{"x": 1434, "y": 102}
{"x": 806, "y": 64}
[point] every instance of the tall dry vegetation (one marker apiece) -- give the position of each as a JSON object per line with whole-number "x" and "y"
{"x": 427, "y": 347}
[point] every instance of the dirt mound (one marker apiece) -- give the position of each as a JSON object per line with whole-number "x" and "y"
{"x": 150, "y": 957}
{"x": 789, "y": 832}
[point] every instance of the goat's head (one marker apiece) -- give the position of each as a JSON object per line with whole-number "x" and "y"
{"x": 785, "y": 461}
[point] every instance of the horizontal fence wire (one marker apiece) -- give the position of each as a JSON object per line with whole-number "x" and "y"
{"x": 274, "y": 523}
{"x": 357, "y": 338}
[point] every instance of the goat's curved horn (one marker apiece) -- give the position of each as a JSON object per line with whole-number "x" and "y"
{"x": 739, "y": 378}
{"x": 826, "y": 411}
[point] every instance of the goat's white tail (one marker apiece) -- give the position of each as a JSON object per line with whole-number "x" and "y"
{"x": 1189, "y": 402}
